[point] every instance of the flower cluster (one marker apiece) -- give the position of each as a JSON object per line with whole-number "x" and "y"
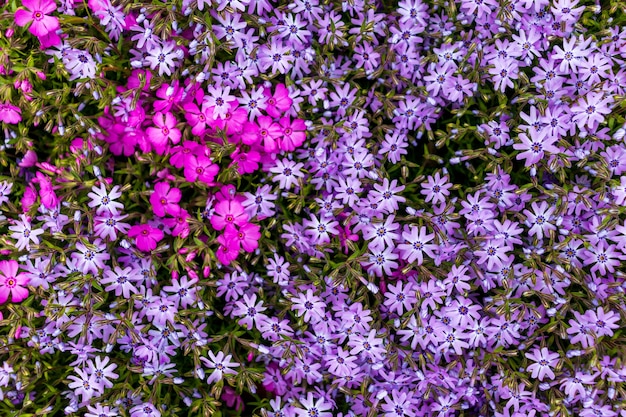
{"x": 307, "y": 208}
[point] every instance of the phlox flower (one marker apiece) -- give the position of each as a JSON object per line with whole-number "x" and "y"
{"x": 246, "y": 236}
{"x": 24, "y": 233}
{"x": 164, "y": 199}
{"x": 311, "y": 407}
{"x": 250, "y": 311}
{"x": 161, "y": 311}
{"x": 278, "y": 103}
{"x": 121, "y": 280}
{"x": 9, "y": 113}
{"x": 107, "y": 226}
{"x": 165, "y": 129}
{"x": 293, "y": 133}
{"x": 146, "y": 237}
{"x": 184, "y": 291}
{"x": 36, "y": 11}
{"x": 200, "y": 168}
{"x": 320, "y": 229}
{"x": 163, "y": 56}
{"x": 309, "y": 305}
{"x": 382, "y": 261}
{"x": 103, "y": 371}
{"x": 287, "y": 173}
{"x": 534, "y": 145}
{"x": 539, "y": 219}
{"x": 84, "y": 384}
{"x": 145, "y": 409}
{"x": 228, "y": 212}
{"x": 12, "y": 283}
{"x": 544, "y": 362}
{"x": 104, "y": 201}
{"x": 221, "y": 365}
{"x": 590, "y": 110}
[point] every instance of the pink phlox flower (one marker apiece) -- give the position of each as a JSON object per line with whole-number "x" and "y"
{"x": 147, "y": 237}
{"x": 9, "y": 113}
{"x": 165, "y": 129}
{"x": 164, "y": 199}
{"x": 36, "y": 11}
{"x": 268, "y": 133}
{"x": 12, "y": 283}
{"x": 227, "y": 251}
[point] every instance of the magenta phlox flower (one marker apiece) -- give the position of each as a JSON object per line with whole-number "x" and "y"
{"x": 228, "y": 212}
{"x": 246, "y": 236}
{"x": 544, "y": 361}
{"x": 164, "y": 199}
{"x": 12, "y": 283}
{"x": 9, "y": 113}
{"x": 178, "y": 224}
{"x": 278, "y": 103}
{"x": 36, "y": 11}
{"x": 165, "y": 130}
{"x": 268, "y": 133}
{"x": 200, "y": 168}
{"x": 293, "y": 134}
{"x": 146, "y": 237}
{"x": 180, "y": 155}
{"x": 246, "y": 161}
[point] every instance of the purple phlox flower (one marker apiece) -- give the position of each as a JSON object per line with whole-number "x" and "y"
{"x": 84, "y": 384}
{"x": 250, "y": 311}
{"x": 102, "y": 370}
{"x": 544, "y": 361}
{"x": 381, "y": 235}
{"x": 221, "y": 365}
{"x": 535, "y": 144}
{"x": 415, "y": 244}
{"x": 309, "y": 305}
{"x": 24, "y": 233}
{"x": 104, "y": 201}
{"x": 539, "y": 220}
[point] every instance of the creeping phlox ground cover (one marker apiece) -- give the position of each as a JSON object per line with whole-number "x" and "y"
{"x": 312, "y": 208}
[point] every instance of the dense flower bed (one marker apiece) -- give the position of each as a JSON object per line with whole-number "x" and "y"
{"x": 312, "y": 208}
